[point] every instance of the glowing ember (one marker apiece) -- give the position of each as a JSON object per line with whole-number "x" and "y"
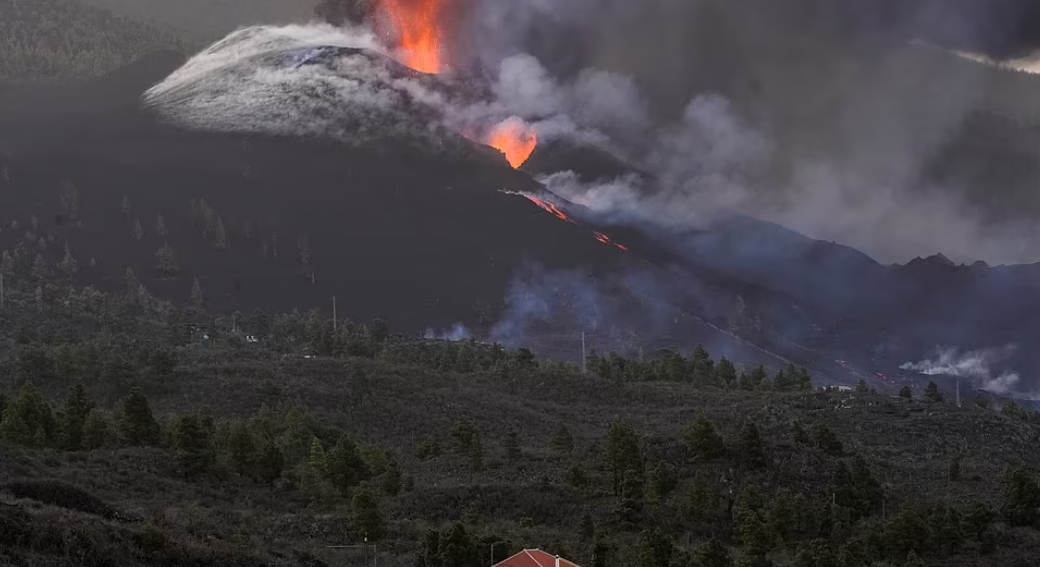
{"x": 417, "y": 24}
{"x": 514, "y": 138}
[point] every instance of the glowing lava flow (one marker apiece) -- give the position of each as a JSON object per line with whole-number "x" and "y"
{"x": 514, "y": 138}
{"x": 417, "y": 25}
{"x": 550, "y": 208}
{"x": 555, "y": 211}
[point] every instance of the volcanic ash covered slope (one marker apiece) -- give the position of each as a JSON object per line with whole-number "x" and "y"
{"x": 313, "y": 81}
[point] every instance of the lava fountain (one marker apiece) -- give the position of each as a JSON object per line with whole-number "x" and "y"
{"x": 418, "y": 27}
{"x": 515, "y": 138}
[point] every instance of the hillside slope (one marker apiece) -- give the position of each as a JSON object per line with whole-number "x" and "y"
{"x": 63, "y": 39}
{"x": 224, "y": 452}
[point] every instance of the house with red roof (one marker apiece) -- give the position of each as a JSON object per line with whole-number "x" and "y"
{"x": 535, "y": 558}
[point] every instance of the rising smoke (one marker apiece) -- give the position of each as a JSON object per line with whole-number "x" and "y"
{"x": 980, "y": 367}
{"x": 855, "y": 112}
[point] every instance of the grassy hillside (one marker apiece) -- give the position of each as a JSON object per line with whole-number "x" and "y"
{"x": 48, "y": 39}
{"x": 130, "y": 438}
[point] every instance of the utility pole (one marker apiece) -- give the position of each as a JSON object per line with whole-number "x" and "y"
{"x": 1, "y": 292}
{"x": 958, "y": 393}
{"x": 583, "y": 352}
{"x": 334, "y": 318}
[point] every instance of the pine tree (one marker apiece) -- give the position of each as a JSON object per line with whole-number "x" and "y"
{"x": 138, "y": 231}
{"x": 196, "y": 299}
{"x": 74, "y": 417}
{"x": 751, "y": 445}
{"x": 703, "y": 441}
{"x": 271, "y": 462}
{"x": 654, "y": 549}
{"x": 623, "y": 454}
{"x": 561, "y": 444}
{"x": 193, "y": 443}
{"x": 912, "y": 560}
{"x": 346, "y": 467}
{"x": 391, "y": 482}
{"x": 512, "y": 447}
{"x": 68, "y": 267}
{"x": 906, "y": 392}
{"x": 726, "y": 372}
{"x": 220, "y": 235}
{"x": 130, "y": 279}
{"x": 576, "y": 476}
{"x": 166, "y": 265}
{"x": 827, "y": 440}
{"x": 317, "y": 458}
{"x": 137, "y": 424}
{"x": 28, "y": 419}
{"x": 711, "y": 554}
{"x": 126, "y": 207}
{"x": 365, "y": 518}
{"x": 799, "y": 434}
{"x": 476, "y": 455}
{"x": 932, "y": 393}
{"x": 41, "y": 270}
{"x": 96, "y": 431}
{"x": 160, "y": 226}
{"x": 241, "y": 447}
{"x": 70, "y": 200}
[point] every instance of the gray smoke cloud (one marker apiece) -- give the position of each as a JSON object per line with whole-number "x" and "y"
{"x": 862, "y": 117}
{"x": 979, "y": 366}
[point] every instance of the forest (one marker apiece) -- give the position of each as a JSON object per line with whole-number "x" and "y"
{"x": 237, "y": 438}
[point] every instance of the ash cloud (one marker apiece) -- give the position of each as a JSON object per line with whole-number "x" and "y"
{"x": 981, "y": 367}
{"x": 855, "y": 135}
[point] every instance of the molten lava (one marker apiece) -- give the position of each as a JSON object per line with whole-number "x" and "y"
{"x": 417, "y": 25}
{"x": 606, "y": 240}
{"x": 514, "y": 138}
{"x": 552, "y": 208}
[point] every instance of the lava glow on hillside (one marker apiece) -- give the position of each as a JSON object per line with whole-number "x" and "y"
{"x": 556, "y": 212}
{"x": 418, "y": 26}
{"x": 514, "y": 138}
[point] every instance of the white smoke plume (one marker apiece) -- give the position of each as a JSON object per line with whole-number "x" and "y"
{"x": 978, "y": 366}
{"x": 458, "y": 332}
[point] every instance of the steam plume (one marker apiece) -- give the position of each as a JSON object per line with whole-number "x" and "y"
{"x": 977, "y": 366}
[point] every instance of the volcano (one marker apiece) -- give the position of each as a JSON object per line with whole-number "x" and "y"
{"x": 421, "y": 234}
{"x": 297, "y": 171}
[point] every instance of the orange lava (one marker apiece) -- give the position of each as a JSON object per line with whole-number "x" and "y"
{"x": 514, "y": 138}
{"x": 418, "y": 26}
{"x": 606, "y": 240}
{"x": 552, "y": 208}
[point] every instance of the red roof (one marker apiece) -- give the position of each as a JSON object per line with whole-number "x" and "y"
{"x": 534, "y": 558}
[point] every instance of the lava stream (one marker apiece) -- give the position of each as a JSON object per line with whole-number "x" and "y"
{"x": 552, "y": 208}
{"x": 418, "y": 25}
